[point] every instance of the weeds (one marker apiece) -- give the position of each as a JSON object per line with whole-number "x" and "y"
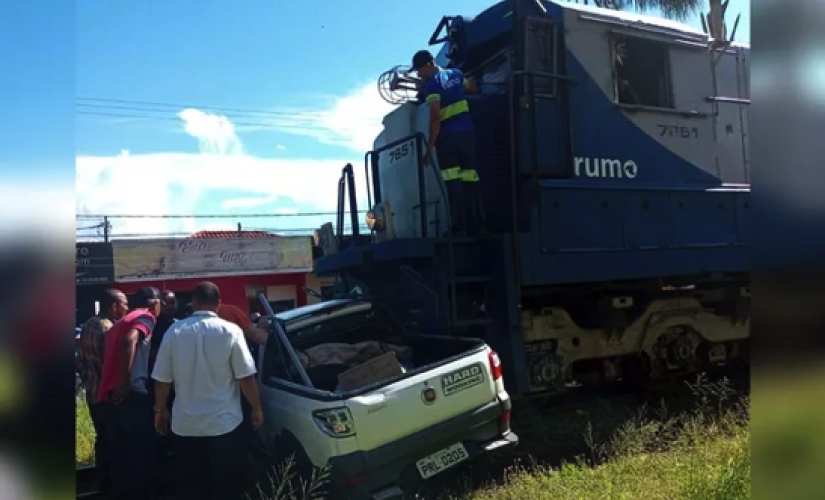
{"x": 283, "y": 482}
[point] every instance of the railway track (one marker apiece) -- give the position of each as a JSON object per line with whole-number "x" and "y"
{"x": 86, "y": 476}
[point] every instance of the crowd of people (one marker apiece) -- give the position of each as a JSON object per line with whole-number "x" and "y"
{"x": 152, "y": 379}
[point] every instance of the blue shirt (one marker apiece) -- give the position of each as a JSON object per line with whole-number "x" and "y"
{"x": 447, "y": 86}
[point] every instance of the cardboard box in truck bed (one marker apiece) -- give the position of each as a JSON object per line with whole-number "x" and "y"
{"x": 375, "y": 370}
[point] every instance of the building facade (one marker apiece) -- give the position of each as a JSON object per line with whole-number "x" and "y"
{"x": 243, "y": 264}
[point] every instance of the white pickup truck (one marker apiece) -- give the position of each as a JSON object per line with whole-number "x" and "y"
{"x": 448, "y": 407}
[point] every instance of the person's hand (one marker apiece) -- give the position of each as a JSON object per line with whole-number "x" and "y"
{"x": 162, "y": 421}
{"x": 428, "y": 157}
{"x": 119, "y": 393}
{"x": 257, "y": 418}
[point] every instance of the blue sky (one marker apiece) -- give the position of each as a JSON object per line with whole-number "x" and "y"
{"x": 310, "y": 66}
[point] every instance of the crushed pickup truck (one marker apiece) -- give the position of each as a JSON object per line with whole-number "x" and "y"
{"x": 346, "y": 386}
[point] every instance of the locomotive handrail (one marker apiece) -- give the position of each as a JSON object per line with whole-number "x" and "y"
{"x": 442, "y": 25}
{"x": 346, "y": 185}
{"x": 369, "y": 164}
{"x": 728, "y": 100}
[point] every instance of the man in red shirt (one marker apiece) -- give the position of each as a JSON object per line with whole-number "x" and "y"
{"x": 124, "y": 394}
{"x": 255, "y": 334}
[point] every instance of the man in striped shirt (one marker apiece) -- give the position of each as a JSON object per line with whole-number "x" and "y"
{"x": 113, "y": 307}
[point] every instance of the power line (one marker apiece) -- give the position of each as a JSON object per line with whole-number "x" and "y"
{"x": 178, "y": 120}
{"x": 115, "y": 235}
{"x": 207, "y": 216}
{"x": 179, "y": 234}
{"x": 146, "y": 106}
{"x": 182, "y": 106}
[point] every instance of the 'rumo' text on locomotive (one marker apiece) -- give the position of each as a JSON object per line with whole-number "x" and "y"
{"x": 605, "y": 168}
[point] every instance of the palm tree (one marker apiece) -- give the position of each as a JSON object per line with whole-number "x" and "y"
{"x": 678, "y": 10}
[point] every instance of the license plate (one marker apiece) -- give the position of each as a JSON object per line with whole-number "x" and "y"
{"x": 442, "y": 460}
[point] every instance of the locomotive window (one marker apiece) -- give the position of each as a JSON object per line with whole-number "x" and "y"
{"x": 641, "y": 72}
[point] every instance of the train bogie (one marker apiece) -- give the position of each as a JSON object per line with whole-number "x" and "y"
{"x": 662, "y": 338}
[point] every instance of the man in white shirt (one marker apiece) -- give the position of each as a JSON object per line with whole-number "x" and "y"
{"x": 208, "y": 361}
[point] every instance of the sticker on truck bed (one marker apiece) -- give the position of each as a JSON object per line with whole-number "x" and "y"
{"x": 462, "y": 379}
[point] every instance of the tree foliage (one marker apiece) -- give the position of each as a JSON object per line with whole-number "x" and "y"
{"x": 678, "y": 10}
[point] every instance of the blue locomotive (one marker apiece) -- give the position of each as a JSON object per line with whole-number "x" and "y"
{"x": 613, "y": 156}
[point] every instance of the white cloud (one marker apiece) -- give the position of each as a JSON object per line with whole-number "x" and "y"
{"x": 352, "y": 121}
{"x": 156, "y": 184}
{"x": 215, "y": 133}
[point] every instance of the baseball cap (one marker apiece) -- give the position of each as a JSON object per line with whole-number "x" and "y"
{"x": 421, "y": 58}
{"x": 146, "y": 296}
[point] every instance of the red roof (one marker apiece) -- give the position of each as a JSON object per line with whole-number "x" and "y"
{"x": 233, "y": 234}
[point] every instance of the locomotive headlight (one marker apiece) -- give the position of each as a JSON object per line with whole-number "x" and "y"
{"x": 370, "y": 220}
{"x": 375, "y": 219}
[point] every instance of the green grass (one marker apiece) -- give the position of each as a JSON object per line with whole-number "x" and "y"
{"x": 84, "y": 436}
{"x": 696, "y": 456}
{"x": 718, "y": 469}
{"x": 701, "y": 451}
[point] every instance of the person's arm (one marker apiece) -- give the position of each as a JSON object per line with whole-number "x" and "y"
{"x": 249, "y": 388}
{"x": 128, "y": 346}
{"x": 433, "y": 99}
{"x": 161, "y": 395}
{"x": 254, "y": 334}
{"x": 243, "y": 368}
{"x": 163, "y": 373}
